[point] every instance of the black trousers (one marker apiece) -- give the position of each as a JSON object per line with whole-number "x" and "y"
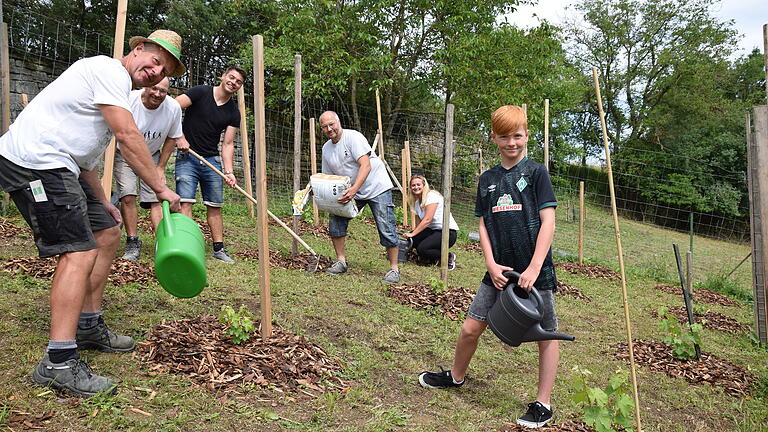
{"x": 427, "y": 244}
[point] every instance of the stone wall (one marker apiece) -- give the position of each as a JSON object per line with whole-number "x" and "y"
{"x": 27, "y": 76}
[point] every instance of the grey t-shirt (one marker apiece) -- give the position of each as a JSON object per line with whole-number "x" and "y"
{"x": 341, "y": 159}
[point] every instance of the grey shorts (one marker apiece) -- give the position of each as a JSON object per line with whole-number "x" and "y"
{"x": 126, "y": 181}
{"x": 66, "y": 220}
{"x": 486, "y": 297}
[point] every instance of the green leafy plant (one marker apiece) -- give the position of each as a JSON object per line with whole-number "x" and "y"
{"x": 436, "y": 284}
{"x": 604, "y": 409}
{"x": 308, "y": 216}
{"x": 239, "y": 324}
{"x": 683, "y": 340}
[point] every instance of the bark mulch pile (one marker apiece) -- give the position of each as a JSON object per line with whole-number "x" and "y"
{"x": 566, "y": 426}
{"x": 452, "y": 302}
{"x": 320, "y": 231}
{"x": 710, "y": 319}
{"x": 199, "y": 349}
{"x": 299, "y": 262}
{"x": 590, "y": 270}
{"x": 570, "y": 290}
{"x": 8, "y": 229}
{"x": 711, "y": 369}
{"x": 122, "y": 272}
{"x": 472, "y": 247}
{"x": 24, "y": 420}
{"x": 704, "y": 295}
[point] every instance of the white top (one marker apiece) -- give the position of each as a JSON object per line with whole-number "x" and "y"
{"x": 341, "y": 159}
{"x": 62, "y": 127}
{"x": 157, "y": 124}
{"x": 437, "y": 221}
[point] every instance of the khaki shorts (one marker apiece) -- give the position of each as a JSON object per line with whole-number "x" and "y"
{"x": 126, "y": 181}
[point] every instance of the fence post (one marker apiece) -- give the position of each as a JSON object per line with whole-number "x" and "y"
{"x": 245, "y": 149}
{"x": 582, "y": 212}
{"x": 296, "y": 142}
{"x": 313, "y": 166}
{"x": 5, "y": 98}
{"x": 447, "y": 181}
{"x": 759, "y": 183}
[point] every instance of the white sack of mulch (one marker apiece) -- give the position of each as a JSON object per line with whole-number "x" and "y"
{"x": 328, "y": 189}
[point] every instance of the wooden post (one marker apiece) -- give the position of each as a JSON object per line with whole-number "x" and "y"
{"x": 582, "y": 213}
{"x": 246, "y": 149}
{"x": 480, "y": 161}
{"x": 617, "y": 231}
{"x": 525, "y": 108}
{"x": 381, "y": 127}
{"x": 447, "y": 182}
{"x": 5, "y": 78}
{"x": 296, "y": 140}
{"x": 760, "y": 181}
{"x": 117, "y": 52}
{"x": 765, "y": 57}
{"x": 260, "y": 146}
{"x": 313, "y": 165}
{"x": 24, "y": 100}
{"x": 408, "y": 167}
{"x": 546, "y": 134}
{"x": 406, "y": 184}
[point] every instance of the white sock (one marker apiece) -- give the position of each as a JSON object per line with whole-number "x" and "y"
{"x": 454, "y": 380}
{"x": 547, "y": 406}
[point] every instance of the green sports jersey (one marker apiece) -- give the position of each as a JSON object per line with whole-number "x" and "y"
{"x": 509, "y": 200}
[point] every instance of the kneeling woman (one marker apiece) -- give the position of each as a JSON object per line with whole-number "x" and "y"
{"x": 427, "y": 236}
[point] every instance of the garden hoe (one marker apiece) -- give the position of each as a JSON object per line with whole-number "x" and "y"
{"x": 311, "y": 267}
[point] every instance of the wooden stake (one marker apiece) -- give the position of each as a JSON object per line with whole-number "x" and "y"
{"x": 480, "y": 161}
{"x": 582, "y": 212}
{"x": 296, "y": 140}
{"x": 261, "y": 185}
{"x": 246, "y": 150}
{"x": 765, "y": 56}
{"x": 117, "y": 52}
{"x": 409, "y": 174}
{"x": 5, "y": 78}
{"x": 406, "y": 185}
{"x": 313, "y": 165}
{"x": 617, "y": 230}
{"x": 24, "y": 100}
{"x": 381, "y": 128}
{"x": 546, "y": 134}
{"x": 760, "y": 183}
{"x": 447, "y": 182}
{"x": 525, "y": 108}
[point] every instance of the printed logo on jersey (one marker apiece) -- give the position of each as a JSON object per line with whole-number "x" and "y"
{"x": 491, "y": 188}
{"x": 505, "y": 203}
{"x": 521, "y": 184}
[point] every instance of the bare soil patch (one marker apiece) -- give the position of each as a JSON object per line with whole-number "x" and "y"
{"x": 704, "y": 295}
{"x": 300, "y": 262}
{"x": 198, "y": 348}
{"x": 122, "y": 272}
{"x": 570, "y": 290}
{"x": 566, "y": 426}
{"x": 710, "y": 319}
{"x": 711, "y": 369}
{"x": 452, "y": 302}
{"x": 589, "y": 270}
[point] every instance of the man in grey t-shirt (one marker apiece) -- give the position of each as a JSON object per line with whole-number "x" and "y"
{"x": 347, "y": 153}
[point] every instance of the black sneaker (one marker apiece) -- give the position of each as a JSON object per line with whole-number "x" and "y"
{"x": 438, "y": 380}
{"x": 536, "y": 416}
{"x": 132, "y": 250}
{"x": 73, "y": 376}
{"x": 451, "y": 260}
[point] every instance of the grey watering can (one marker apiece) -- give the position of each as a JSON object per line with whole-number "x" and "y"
{"x": 515, "y": 317}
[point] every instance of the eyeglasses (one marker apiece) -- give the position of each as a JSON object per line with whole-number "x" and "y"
{"x": 159, "y": 90}
{"x": 328, "y": 125}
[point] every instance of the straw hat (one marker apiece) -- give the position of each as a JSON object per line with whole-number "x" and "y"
{"x": 170, "y": 41}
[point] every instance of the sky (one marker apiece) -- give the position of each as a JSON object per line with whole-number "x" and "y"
{"x": 748, "y": 15}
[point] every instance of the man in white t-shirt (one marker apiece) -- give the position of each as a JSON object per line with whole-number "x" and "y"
{"x": 347, "y": 153}
{"x": 48, "y": 163}
{"x": 158, "y": 117}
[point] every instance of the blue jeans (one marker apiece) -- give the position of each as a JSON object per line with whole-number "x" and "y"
{"x": 383, "y": 210}
{"x": 190, "y": 172}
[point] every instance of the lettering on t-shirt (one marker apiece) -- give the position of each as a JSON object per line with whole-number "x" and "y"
{"x": 505, "y": 203}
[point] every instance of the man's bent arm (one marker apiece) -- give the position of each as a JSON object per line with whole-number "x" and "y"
{"x": 228, "y": 154}
{"x": 362, "y": 173}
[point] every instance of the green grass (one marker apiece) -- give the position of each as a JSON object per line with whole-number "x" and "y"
{"x": 384, "y": 345}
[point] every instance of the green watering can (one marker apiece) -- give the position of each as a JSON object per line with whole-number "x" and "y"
{"x": 180, "y": 255}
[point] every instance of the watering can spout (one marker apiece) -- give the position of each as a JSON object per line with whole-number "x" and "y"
{"x": 167, "y": 223}
{"x": 536, "y": 333}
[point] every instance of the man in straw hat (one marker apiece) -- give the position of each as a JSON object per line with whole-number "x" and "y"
{"x": 48, "y": 163}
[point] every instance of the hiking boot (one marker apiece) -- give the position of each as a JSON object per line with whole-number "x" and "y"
{"x": 451, "y": 260}
{"x": 392, "y": 276}
{"x": 73, "y": 376}
{"x": 221, "y": 255}
{"x": 537, "y": 416}
{"x": 438, "y": 380}
{"x": 132, "y": 250}
{"x": 338, "y": 267}
{"x": 100, "y": 337}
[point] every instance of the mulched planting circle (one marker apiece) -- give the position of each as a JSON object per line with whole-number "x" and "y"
{"x": 589, "y": 270}
{"x": 320, "y": 231}
{"x": 8, "y": 229}
{"x": 711, "y": 369}
{"x": 199, "y": 349}
{"x": 704, "y": 295}
{"x": 452, "y": 302}
{"x": 300, "y": 262}
{"x": 472, "y": 247}
{"x": 570, "y": 290}
{"x": 710, "y": 320}
{"x": 122, "y": 272}
{"x": 566, "y": 426}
